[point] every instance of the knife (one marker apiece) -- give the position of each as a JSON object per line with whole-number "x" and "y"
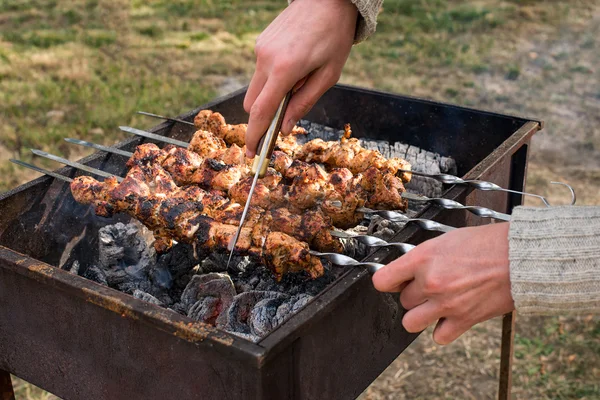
{"x": 266, "y": 145}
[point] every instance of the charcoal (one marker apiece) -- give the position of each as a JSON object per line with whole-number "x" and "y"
{"x": 125, "y": 258}
{"x": 262, "y": 319}
{"x": 217, "y": 262}
{"x": 236, "y": 317}
{"x": 290, "y": 307}
{"x": 94, "y": 273}
{"x": 206, "y": 310}
{"x": 138, "y": 294}
{"x": 116, "y": 276}
{"x": 161, "y": 277}
{"x": 382, "y": 228}
{"x": 213, "y": 284}
{"x": 120, "y": 244}
{"x": 206, "y": 296}
{"x": 163, "y": 297}
{"x": 209, "y": 265}
{"x": 179, "y": 308}
{"x": 178, "y": 262}
{"x": 74, "y": 268}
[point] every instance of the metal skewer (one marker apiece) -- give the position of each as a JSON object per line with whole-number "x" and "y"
{"x": 154, "y": 136}
{"x": 455, "y": 205}
{"x": 100, "y": 147}
{"x": 75, "y": 164}
{"x": 394, "y": 216}
{"x": 373, "y": 241}
{"x": 42, "y": 170}
{"x": 486, "y": 186}
{"x": 166, "y": 118}
{"x": 340, "y": 259}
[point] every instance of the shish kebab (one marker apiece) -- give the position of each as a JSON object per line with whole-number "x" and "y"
{"x": 386, "y": 186}
{"x": 191, "y": 215}
{"x": 325, "y": 152}
{"x": 379, "y": 183}
{"x": 347, "y": 153}
{"x": 311, "y": 226}
{"x": 338, "y": 193}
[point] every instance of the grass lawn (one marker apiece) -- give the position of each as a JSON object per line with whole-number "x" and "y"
{"x": 80, "y": 68}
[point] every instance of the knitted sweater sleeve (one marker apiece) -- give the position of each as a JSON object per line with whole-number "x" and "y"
{"x": 554, "y": 258}
{"x": 367, "y": 20}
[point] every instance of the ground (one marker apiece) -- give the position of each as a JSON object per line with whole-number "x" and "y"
{"x": 80, "y": 68}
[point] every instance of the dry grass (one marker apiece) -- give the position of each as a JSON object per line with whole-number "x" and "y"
{"x": 81, "y": 68}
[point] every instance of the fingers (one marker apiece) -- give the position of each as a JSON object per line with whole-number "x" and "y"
{"x": 299, "y": 84}
{"x": 306, "y": 96}
{"x": 393, "y": 277}
{"x": 448, "y": 330}
{"x": 421, "y": 317}
{"x": 263, "y": 110}
{"x": 256, "y": 84}
{"x": 412, "y": 295}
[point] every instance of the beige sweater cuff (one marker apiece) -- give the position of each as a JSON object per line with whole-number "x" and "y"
{"x": 367, "y": 20}
{"x": 554, "y": 258}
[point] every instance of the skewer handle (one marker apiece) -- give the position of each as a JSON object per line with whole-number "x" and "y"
{"x": 340, "y": 259}
{"x": 455, "y": 205}
{"x": 267, "y": 142}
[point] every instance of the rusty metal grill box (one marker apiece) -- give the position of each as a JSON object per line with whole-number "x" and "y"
{"x": 81, "y": 340}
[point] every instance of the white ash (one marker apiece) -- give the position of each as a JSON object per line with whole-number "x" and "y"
{"x": 138, "y": 294}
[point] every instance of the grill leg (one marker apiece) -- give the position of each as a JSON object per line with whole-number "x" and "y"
{"x": 506, "y": 356}
{"x": 6, "y": 389}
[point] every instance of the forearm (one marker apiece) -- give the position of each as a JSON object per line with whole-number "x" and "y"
{"x": 367, "y": 21}
{"x": 555, "y": 259}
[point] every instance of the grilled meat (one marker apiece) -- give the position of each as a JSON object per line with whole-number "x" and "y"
{"x": 214, "y": 122}
{"x": 348, "y": 153}
{"x": 275, "y": 237}
{"x": 309, "y": 184}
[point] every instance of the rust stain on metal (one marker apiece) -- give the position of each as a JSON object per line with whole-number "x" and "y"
{"x": 42, "y": 269}
{"x": 111, "y": 304}
{"x": 198, "y": 331}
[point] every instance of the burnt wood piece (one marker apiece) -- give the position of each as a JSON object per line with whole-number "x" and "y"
{"x": 82, "y": 340}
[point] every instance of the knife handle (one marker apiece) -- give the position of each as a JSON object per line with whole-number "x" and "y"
{"x": 266, "y": 144}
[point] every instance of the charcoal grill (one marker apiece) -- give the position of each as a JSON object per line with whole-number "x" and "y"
{"x": 81, "y": 340}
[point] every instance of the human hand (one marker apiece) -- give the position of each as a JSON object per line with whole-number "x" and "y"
{"x": 459, "y": 279}
{"x": 304, "y": 48}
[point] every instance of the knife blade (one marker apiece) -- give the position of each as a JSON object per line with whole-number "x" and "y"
{"x": 261, "y": 162}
